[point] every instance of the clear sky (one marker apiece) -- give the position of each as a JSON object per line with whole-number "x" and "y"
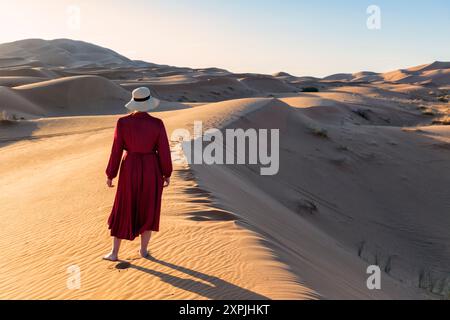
{"x": 315, "y": 37}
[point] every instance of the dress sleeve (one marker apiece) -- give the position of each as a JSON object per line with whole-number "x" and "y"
{"x": 116, "y": 152}
{"x": 164, "y": 156}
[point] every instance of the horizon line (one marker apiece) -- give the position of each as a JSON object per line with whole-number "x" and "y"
{"x": 218, "y": 67}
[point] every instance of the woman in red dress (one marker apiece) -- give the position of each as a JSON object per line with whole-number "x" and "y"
{"x": 145, "y": 169}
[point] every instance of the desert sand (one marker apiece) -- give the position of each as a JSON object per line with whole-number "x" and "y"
{"x": 364, "y": 175}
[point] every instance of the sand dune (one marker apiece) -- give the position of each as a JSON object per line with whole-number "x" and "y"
{"x": 63, "y": 52}
{"x": 210, "y": 90}
{"x": 16, "y": 81}
{"x": 436, "y": 73}
{"x": 437, "y": 65}
{"x": 278, "y": 208}
{"x": 75, "y": 96}
{"x": 386, "y": 221}
{"x": 27, "y": 71}
{"x": 437, "y": 77}
{"x": 18, "y": 105}
{"x": 282, "y": 74}
{"x": 267, "y": 84}
{"x": 366, "y": 77}
{"x": 339, "y": 77}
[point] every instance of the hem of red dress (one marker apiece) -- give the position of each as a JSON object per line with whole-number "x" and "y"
{"x": 132, "y": 238}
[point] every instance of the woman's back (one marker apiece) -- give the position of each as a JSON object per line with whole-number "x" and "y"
{"x": 140, "y": 132}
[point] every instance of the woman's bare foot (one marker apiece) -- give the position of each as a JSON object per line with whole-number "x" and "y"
{"x": 144, "y": 254}
{"x": 114, "y": 255}
{"x": 111, "y": 257}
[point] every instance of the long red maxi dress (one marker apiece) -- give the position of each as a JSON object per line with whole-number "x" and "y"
{"x": 137, "y": 205}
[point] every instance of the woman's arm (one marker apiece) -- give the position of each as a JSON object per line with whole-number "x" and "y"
{"x": 164, "y": 156}
{"x": 116, "y": 153}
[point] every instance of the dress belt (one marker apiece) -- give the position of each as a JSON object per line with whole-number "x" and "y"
{"x": 141, "y": 153}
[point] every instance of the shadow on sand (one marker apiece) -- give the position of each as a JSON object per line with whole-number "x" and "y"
{"x": 214, "y": 288}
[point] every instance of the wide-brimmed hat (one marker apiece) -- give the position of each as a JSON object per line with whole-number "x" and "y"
{"x": 142, "y": 100}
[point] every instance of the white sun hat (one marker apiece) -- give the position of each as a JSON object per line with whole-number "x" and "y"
{"x": 142, "y": 100}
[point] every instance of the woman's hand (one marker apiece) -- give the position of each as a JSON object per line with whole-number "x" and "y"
{"x": 109, "y": 183}
{"x": 166, "y": 182}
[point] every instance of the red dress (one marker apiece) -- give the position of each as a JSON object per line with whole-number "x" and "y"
{"x": 137, "y": 205}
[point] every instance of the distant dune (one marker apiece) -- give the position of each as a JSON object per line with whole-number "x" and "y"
{"x": 437, "y": 65}
{"x": 339, "y": 77}
{"x": 30, "y": 61}
{"x": 15, "y": 81}
{"x": 267, "y": 84}
{"x": 436, "y": 73}
{"x": 62, "y": 53}
{"x": 26, "y": 71}
{"x": 81, "y": 95}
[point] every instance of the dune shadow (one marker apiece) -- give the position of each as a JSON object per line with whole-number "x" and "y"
{"x": 16, "y": 131}
{"x": 207, "y": 286}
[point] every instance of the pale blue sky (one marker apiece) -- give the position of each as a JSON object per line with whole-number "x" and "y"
{"x": 301, "y": 37}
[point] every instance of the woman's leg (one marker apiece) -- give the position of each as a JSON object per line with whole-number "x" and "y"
{"x": 145, "y": 239}
{"x": 114, "y": 255}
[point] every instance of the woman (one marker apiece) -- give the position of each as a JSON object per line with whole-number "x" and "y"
{"x": 145, "y": 170}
